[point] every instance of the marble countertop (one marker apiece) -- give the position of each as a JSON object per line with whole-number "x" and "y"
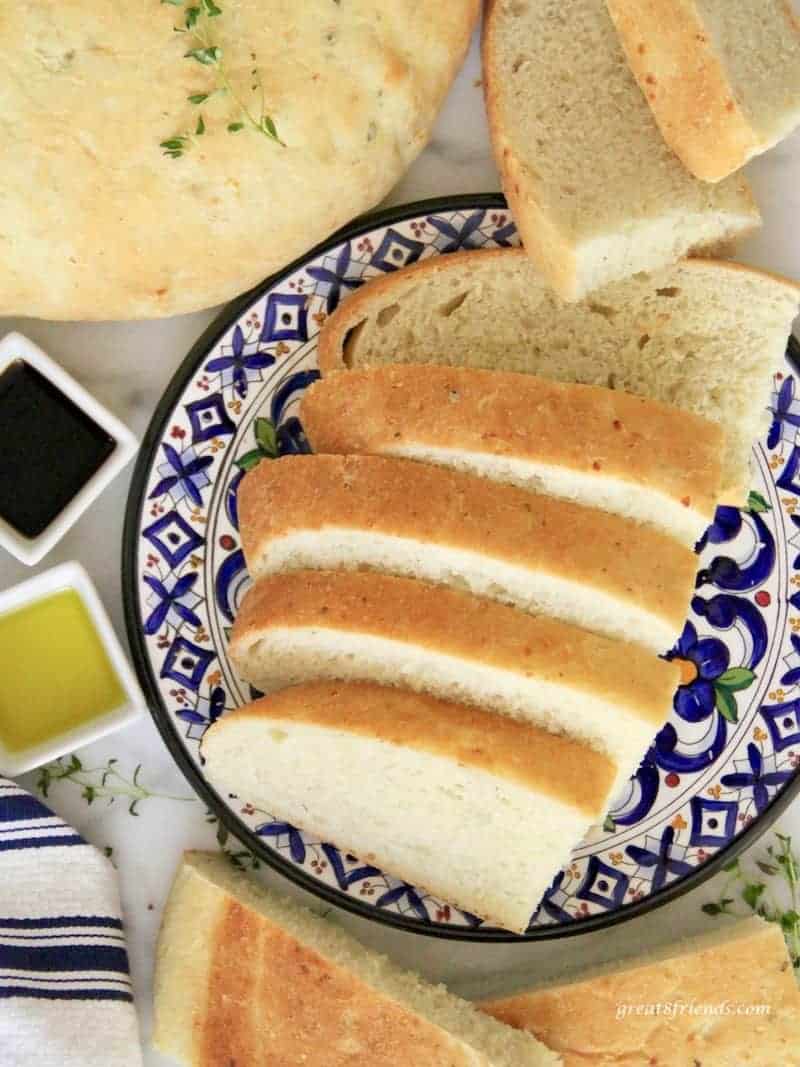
{"x": 127, "y": 366}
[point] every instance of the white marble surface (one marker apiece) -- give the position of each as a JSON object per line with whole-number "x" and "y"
{"x": 127, "y": 367}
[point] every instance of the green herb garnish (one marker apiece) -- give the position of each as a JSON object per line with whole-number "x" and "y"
{"x": 198, "y": 26}
{"x": 99, "y": 783}
{"x": 743, "y": 887}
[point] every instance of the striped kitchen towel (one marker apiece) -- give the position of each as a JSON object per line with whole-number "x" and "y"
{"x": 65, "y": 989}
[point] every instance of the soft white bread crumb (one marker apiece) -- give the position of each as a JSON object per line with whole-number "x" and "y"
{"x": 478, "y": 809}
{"x": 338, "y": 625}
{"x": 326, "y": 512}
{"x": 596, "y": 193}
{"x": 703, "y": 335}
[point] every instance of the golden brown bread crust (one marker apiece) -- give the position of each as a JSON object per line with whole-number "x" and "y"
{"x": 443, "y": 507}
{"x": 674, "y": 60}
{"x": 455, "y": 623}
{"x": 262, "y": 998}
{"x": 273, "y": 1002}
{"x": 580, "y": 1021}
{"x": 564, "y": 769}
{"x": 587, "y": 429}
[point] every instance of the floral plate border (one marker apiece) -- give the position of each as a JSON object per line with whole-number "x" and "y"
{"x": 726, "y": 764}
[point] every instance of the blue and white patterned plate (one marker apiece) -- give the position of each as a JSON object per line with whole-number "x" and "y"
{"x": 717, "y": 773}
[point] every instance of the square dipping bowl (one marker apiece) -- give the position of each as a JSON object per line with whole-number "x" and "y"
{"x": 71, "y": 578}
{"x": 14, "y": 348}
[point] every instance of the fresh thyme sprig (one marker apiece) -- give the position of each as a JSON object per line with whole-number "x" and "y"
{"x": 199, "y": 27}
{"x": 743, "y": 887}
{"x": 99, "y": 783}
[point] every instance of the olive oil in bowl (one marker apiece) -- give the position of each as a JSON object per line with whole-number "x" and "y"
{"x": 56, "y": 673}
{"x": 65, "y": 679}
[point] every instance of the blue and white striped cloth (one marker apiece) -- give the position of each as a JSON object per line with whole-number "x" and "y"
{"x": 65, "y": 988}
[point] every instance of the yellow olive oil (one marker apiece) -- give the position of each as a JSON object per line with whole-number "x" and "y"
{"x": 55, "y": 674}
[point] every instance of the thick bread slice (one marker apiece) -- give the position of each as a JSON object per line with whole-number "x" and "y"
{"x": 477, "y": 808}
{"x": 703, "y": 335}
{"x": 313, "y": 625}
{"x": 245, "y": 976}
{"x": 596, "y": 193}
{"x": 726, "y": 999}
{"x": 599, "y": 447}
{"x": 722, "y": 79}
{"x": 532, "y": 552}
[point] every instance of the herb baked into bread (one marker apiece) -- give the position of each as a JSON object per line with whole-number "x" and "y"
{"x": 98, "y": 223}
{"x": 246, "y": 976}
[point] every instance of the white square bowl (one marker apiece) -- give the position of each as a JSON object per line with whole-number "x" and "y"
{"x": 15, "y": 347}
{"x": 59, "y": 579}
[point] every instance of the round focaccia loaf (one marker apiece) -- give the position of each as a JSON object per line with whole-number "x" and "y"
{"x": 96, "y": 222}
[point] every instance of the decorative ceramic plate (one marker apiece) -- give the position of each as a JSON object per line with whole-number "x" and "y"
{"x": 723, "y": 766}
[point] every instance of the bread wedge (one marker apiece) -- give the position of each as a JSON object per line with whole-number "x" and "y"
{"x": 541, "y": 555}
{"x": 724, "y": 999}
{"x": 596, "y": 447}
{"x": 703, "y": 335}
{"x": 343, "y": 626}
{"x": 246, "y": 976}
{"x": 596, "y": 193}
{"x": 722, "y": 79}
{"x": 478, "y": 809}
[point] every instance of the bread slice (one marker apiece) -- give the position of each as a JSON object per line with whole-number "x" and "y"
{"x": 703, "y": 335}
{"x": 722, "y": 79}
{"x": 596, "y": 193}
{"x": 532, "y": 552}
{"x": 477, "y": 808}
{"x": 246, "y": 976}
{"x": 337, "y": 625}
{"x": 726, "y": 999}
{"x": 599, "y": 447}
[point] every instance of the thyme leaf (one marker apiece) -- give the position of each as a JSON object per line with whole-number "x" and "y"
{"x": 197, "y": 16}
{"x": 776, "y": 904}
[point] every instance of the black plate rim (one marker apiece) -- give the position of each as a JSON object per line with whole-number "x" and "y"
{"x": 162, "y": 719}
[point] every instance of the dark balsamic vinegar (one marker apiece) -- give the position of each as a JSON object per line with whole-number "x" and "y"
{"x": 49, "y": 449}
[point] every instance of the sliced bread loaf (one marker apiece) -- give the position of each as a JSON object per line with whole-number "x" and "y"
{"x": 477, "y": 808}
{"x": 726, "y": 999}
{"x": 596, "y": 193}
{"x": 535, "y": 553}
{"x": 354, "y": 626}
{"x": 703, "y": 335}
{"x": 246, "y": 976}
{"x": 722, "y": 79}
{"x": 599, "y": 447}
